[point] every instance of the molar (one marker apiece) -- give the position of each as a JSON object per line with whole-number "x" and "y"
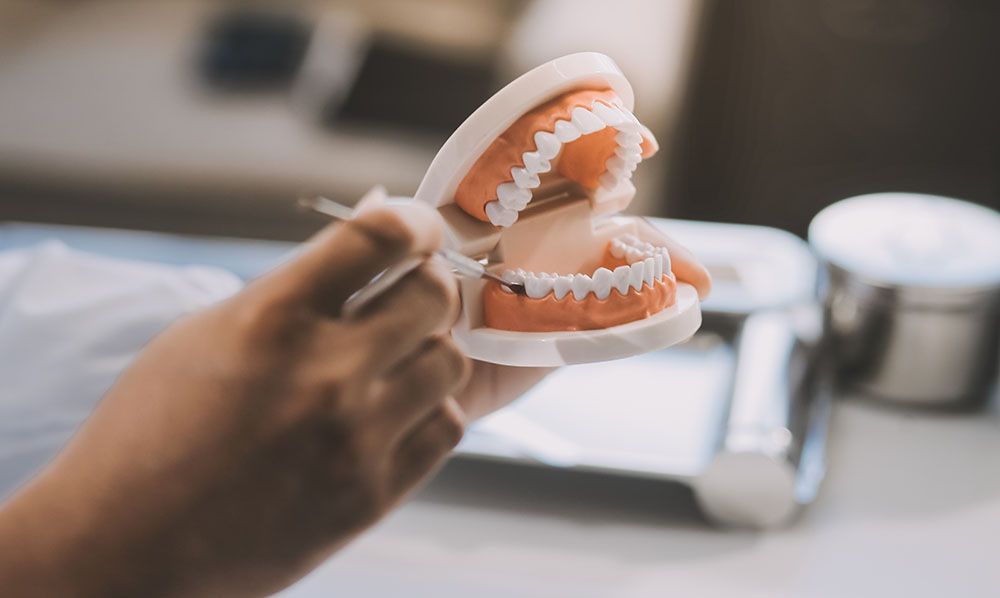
{"x": 538, "y": 286}
{"x": 513, "y": 197}
{"x": 534, "y": 162}
{"x": 499, "y": 215}
{"x": 561, "y": 285}
{"x": 581, "y": 285}
{"x": 608, "y": 181}
{"x": 524, "y": 178}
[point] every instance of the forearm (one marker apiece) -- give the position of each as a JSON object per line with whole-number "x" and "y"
{"x": 41, "y": 546}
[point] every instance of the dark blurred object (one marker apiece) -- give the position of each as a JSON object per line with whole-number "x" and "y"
{"x": 253, "y": 48}
{"x": 793, "y": 105}
{"x": 398, "y": 85}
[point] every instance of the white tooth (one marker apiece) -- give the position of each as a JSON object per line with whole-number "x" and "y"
{"x": 608, "y": 181}
{"x": 657, "y": 266}
{"x": 535, "y": 163}
{"x": 538, "y": 286}
{"x": 561, "y": 285}
{"x": 628, "y": 139}
{"x": 499, "y": 215}
{"x": 620, "y": 279}
{"x": 666, "y": 261}
{"x": 581, "y": 286}
{"x": 631, "y": 123}
{"x": 629, "y": 153}
{"x": 602, "y": 283}
{"x": 612, "y": 117}
{"x": 566, "y": 132}
{"x": 630, "y": 239}
{"x": 648, "y": 248}
{"x": 523, "y": 178}
{"x": 512, "y": 276}
{"x": 547, "y": 145}
{"x": 616, "y": 166}
{"x": 635, "y": 275}
{"x": 633, "y": 255}
{"x": 648, "y": 271}
{"x": 617, "y": 101}
{"x": 513, "y": 197}
{"x": 586, "y": 121}
{"x": 617, "y": 249}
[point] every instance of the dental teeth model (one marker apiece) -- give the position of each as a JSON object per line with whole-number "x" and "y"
{"x": 603, "y": 113}
{"x": 646, "y": 264}
{"x": 531, "y": 185}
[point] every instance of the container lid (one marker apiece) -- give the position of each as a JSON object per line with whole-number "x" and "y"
{"x": 911, "y": 240}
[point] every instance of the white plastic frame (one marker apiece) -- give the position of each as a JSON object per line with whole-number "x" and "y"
{"x": 587, "y": 70}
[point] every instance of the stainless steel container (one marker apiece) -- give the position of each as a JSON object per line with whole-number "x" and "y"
{"x": 911, "y": 295}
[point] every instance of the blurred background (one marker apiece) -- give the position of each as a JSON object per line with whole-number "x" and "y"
{"x": 209, "y": 116}
{"x": 206, "y": 119}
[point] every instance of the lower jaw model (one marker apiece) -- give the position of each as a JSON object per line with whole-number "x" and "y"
{"x": 633, "y": 281}
{"x": 589, "y": 138}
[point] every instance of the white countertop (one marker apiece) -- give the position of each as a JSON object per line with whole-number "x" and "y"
{"x": 910, "y": 507}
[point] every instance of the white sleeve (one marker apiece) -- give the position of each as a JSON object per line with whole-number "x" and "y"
{"x": 69, "y": 324}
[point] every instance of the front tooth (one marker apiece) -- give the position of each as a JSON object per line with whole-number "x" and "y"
{"x": 629, "y": 153}
{"x": 499, "y": 215}
{"x": 612, "y": 117}
{"x": 513, "y": 197}
{"x": 657, "y": 266}
{"x": 648, "y": 271}
{"x": 628, "y": 139}
{"x": 602, "y": 283}
{"x": 631, "y": 124}
{"x": 586, "y": 121}
{"x": 524, "y": 178}
{"x": 635, "y": 275}
{"x": 537, "y": 286}
{"x": 547, "y": 145}
{"x": 582, "y": 285}
{"x": 620, "y": 279}
{"x": 608, "y": 181}
{"x": 561, "y": 285}
{"x": 666, "y": 260}
{"x": 534, "y": 162}
{"x": 566, "y": 132}
{"x": 616, "y": 166}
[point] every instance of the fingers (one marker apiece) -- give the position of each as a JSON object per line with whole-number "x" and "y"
{"x": 418, "y": 384}
{"x": 427, "y": 446}
{"x": 684, "y": 264}
{"x": 423, "y": 303}
{"x": 492, "y": 386}
{"x": 345, "y": 256}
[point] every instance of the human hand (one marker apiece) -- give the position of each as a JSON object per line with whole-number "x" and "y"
{"x": 250, "y": 441}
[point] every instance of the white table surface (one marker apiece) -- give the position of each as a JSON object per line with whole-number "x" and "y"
{"x": 910, "y": 507}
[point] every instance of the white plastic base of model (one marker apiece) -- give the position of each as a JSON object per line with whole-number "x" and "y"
{"x": 544, "y": 349}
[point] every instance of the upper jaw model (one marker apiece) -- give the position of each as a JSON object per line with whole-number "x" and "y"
{"x": 531, "y": 184}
